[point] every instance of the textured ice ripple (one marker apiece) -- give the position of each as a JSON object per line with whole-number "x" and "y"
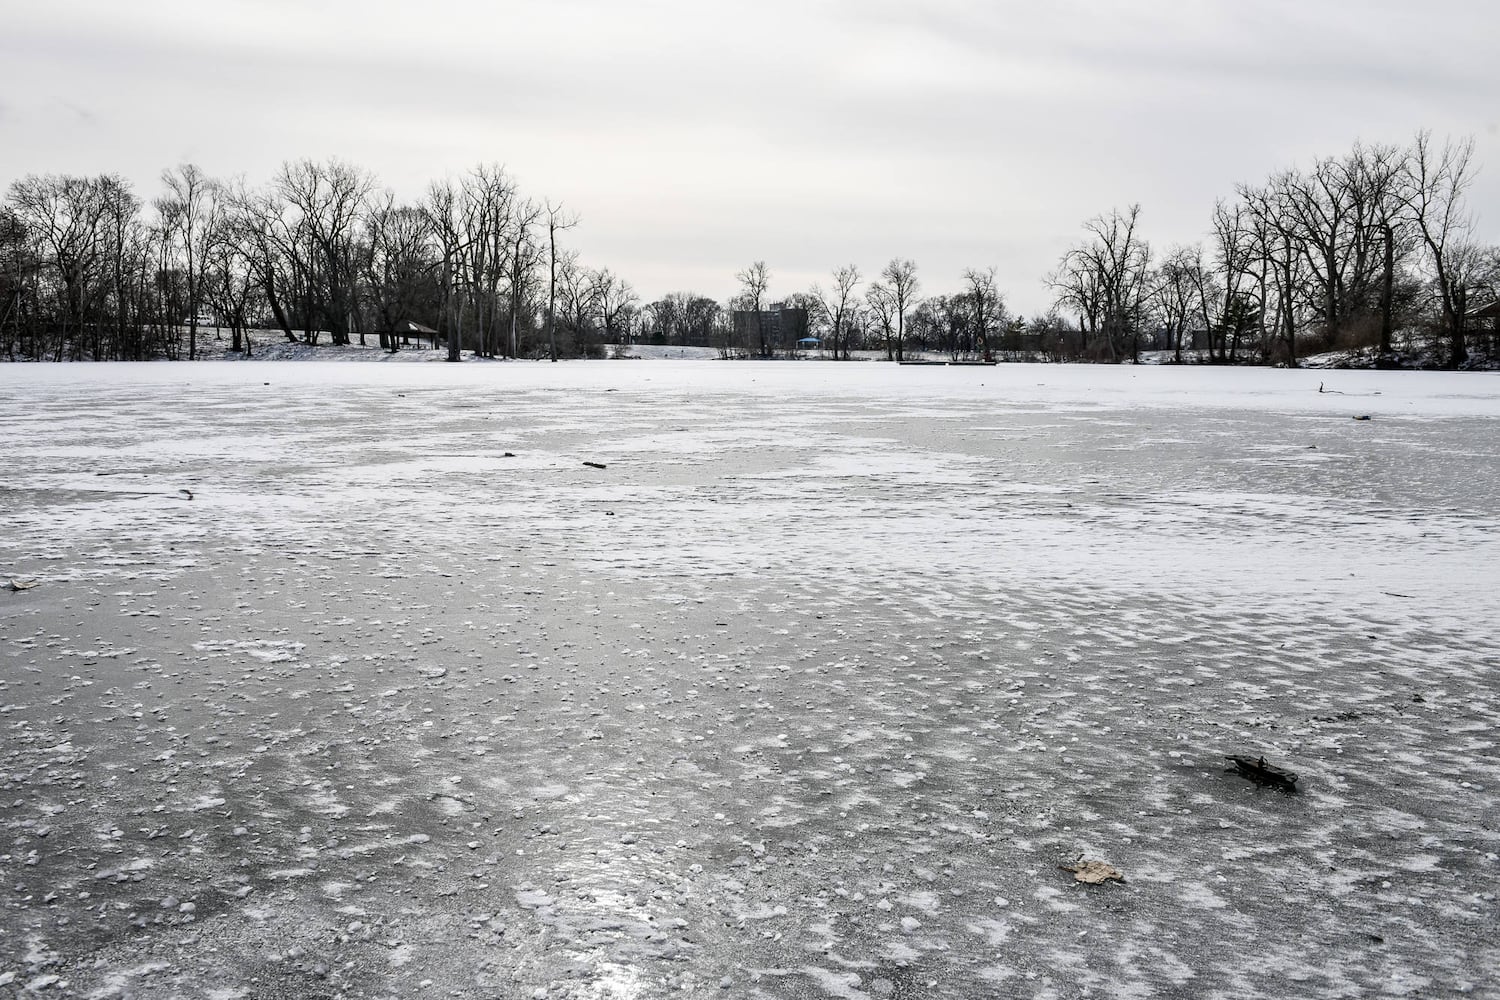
{"x": 807, "y": 701}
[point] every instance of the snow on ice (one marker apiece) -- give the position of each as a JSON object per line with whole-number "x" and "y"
{"x": 355, "y": 681}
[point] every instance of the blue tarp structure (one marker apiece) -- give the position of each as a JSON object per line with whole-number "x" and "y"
{"x": 809, "y": 340}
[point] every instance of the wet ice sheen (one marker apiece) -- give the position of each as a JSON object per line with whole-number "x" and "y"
{"x": 806, "y": 693}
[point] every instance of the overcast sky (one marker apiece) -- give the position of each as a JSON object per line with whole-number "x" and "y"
{"x": 696, "y": 137}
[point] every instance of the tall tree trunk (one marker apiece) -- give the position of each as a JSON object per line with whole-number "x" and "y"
{"x": 552, "y": 290}
{"x": 1289, "y": 326}
{"x": 1458, "y": 344}
{"x": 269, "y": 284}
{"x": 455, "y": 347}
{"x": 1386, "y": 288}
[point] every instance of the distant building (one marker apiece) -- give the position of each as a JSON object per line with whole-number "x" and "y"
{"x": 1484, "y": 327}
{"x": 777, "y": 332}
{"x": 407, "y": 329}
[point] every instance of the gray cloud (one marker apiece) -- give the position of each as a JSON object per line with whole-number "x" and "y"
{"x": 697, "y": 137}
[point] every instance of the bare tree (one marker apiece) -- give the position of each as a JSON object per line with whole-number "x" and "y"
{"x": 944, "y": 323}
{"x": 1247, "y": 259}
{"x": 1175, "y": 287}
{"x": 18, "y": 268}
{"x": 62, "y": 216}
{"x": 986, "y": 306}
{"x": 1079, "y": 286}
{"x": 1383, "y": 171}
{"x": 1434, "y": 192}
{"x": 86, "y": 273}
{"x": 577, "y": 306}
{"x": 1270, "y": 231}
{"x": 255, "y": 222}
{"x": 882, "y": 303}
{"x": 839, "y": 306}
{"x": 397, "y": 262}
{"x": 326, "y": 199}
{"x": 524, "y": 255}
{"x": 557, "y": 220}
{"x": 442, "y": 208}
{"x": 125, "y": 251}
{"x": 86, "y": 258}
{"x": 686, "y": 319}
{"x": 614, "y": 299}
{"x": 754, "y": 280}
{"x": 189, "y": 212}
{"x": 229, "y": 274}
{"x": 471, "y": 223}
{"x": 900, "y": 279}
{"x": 1340, "y": 218}
{"x": 1104, "y": 280}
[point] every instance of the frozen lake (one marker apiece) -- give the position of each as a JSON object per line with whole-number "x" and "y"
{"x": 354, "y": 680}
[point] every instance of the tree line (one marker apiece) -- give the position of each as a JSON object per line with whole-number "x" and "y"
{"x": 888, "y": 314}
{"x": 1375, "y": 248}
{"x": 1372, "y": 249}
{"x": 89, "y": 269}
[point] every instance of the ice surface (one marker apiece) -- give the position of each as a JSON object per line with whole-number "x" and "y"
{"x": 807, "y": 693}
